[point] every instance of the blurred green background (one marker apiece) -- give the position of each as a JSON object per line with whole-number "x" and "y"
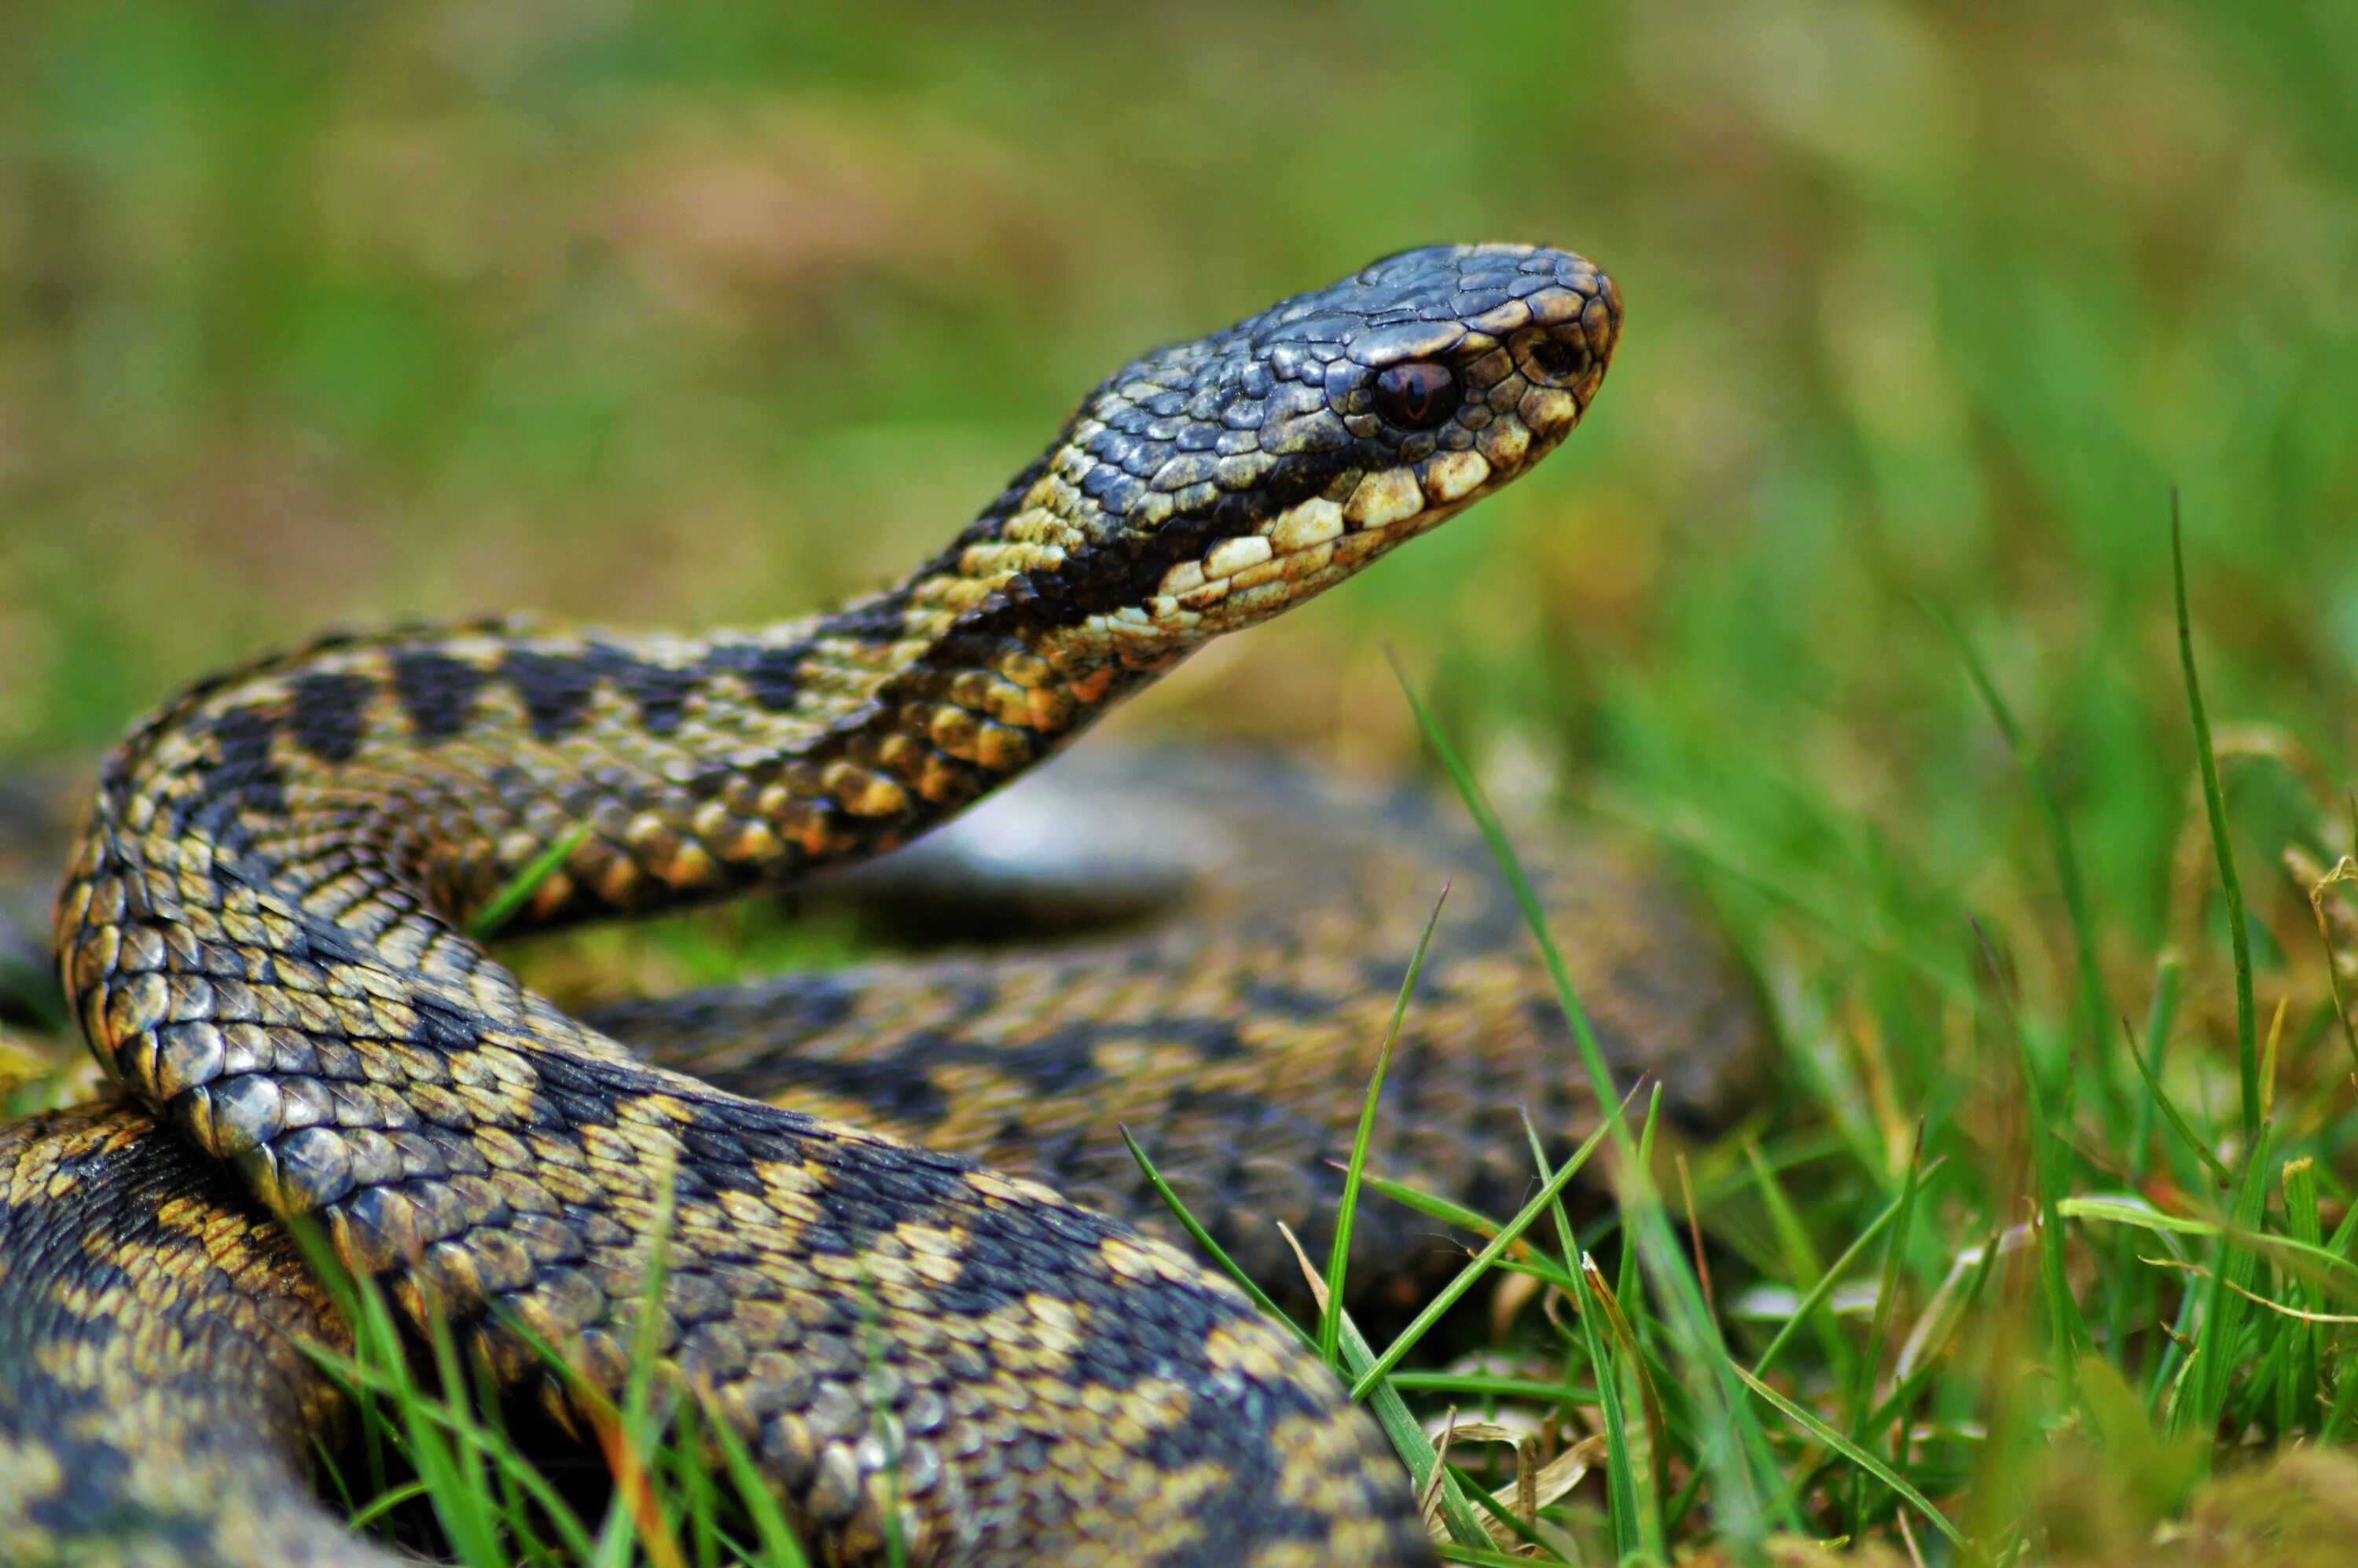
{"x": 697, "y": 312}
{"x": 317, "y": 313}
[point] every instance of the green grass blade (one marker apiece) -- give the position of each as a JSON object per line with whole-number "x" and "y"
{"x": 1478, "y": 1385}
{"x": 1800, "y": 1259}
{"x": 2247, "y": 1054}
{"x": 1628, "y": 1286}
{"x": 1633, "y": 1525}
{"x": 780, "y": 1546}
{"x": 1484, "y": 1557}
{"x": 519, "y": 888}
{"x": 2176, "y": 1118}
{"x": 1504, "y": 1515}
{"x": 1733, "y": 1447}
{"x": 1826, "y": 1281}
{"x": 1436, "y": 1207}
{"x": 1339, "y": 1258}
{"x": 1842, "y": 1445}
{"x": 2224, "y": 1308}
{"x": 2134, "y": 1302}
{"x": 1408, "y": 1439}
{"x": 1203, "y": 1238}
{"x": 2065, "y": 1326}
{"x": 2061, "y": 851}
{"x": 2297, "y": 1390}
{"x": 1862, "y": 1393}
{"x": 632, "y": 1454}
{"x": 1475, "y": 1270}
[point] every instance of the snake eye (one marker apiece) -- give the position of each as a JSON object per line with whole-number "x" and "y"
{"x": 1417, "y": 395}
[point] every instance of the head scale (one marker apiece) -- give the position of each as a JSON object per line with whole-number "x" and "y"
{"x": 1212, "y": 482}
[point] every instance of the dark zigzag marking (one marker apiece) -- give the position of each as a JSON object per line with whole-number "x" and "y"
{"x": 772, "y": 676}
{"x": 436, "y": 692}
{"x": 661, "y": 691}
{"x": 325, "y": 713}
{"x": 880, "y": 618}
{"x": 555, "y": 688}
{"x": 244, "y": 771}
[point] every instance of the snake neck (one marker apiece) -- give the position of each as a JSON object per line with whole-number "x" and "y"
{"x": 676, "y": 768}
{"x": 1204, "y": 487}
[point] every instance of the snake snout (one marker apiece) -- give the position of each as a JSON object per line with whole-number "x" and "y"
{"x": 1571, "y": 341}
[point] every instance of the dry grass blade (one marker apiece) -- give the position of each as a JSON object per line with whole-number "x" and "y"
{"x": 1391, "y": 1412}
{"x": 2344, "y": 873}
{"x": 1657, "y": 1431}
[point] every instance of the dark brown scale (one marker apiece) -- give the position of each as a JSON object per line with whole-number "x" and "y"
{"x": 555, "y": 688}
{"x": 261, "y": 933}
{"x": 437, "y": 693}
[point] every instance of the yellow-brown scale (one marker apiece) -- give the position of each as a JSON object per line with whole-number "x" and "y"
{"x": 261, "y": 936}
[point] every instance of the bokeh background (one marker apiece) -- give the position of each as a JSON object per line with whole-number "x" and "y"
{"x": 698, "y": 311}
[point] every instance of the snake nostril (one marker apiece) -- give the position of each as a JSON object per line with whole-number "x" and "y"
{"x": 1556, "y": 359}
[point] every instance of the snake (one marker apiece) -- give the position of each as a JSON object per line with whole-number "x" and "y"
{"x": 905, "y": 1257}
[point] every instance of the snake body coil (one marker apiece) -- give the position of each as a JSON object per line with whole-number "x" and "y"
{"x": 260, "y": 937}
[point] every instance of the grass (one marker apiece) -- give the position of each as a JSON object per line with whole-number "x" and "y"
{"x": 696, "y": 314}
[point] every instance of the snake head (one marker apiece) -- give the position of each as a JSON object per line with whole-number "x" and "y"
{"x": 1210, "y": 484}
